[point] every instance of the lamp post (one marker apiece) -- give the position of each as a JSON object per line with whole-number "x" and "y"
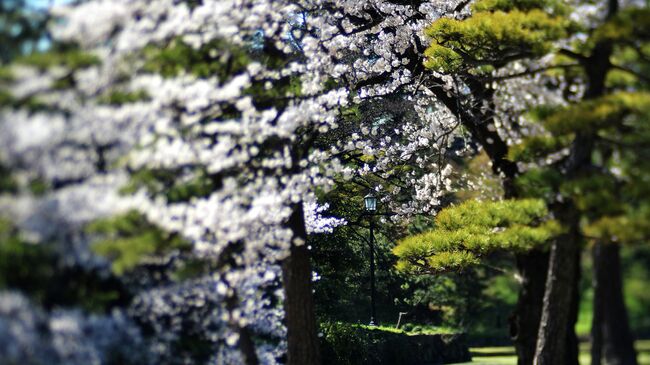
{"x": 370, "y": 202}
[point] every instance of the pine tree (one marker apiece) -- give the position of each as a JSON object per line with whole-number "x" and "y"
{"x": 612, "y": 109}
{"x": 474, "y": 50}
{"x": 477, "y": 50}
{"x": 467, "y": 232}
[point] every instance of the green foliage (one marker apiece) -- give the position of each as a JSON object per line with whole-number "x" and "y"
{"x": 38, "y": 186}
{"x": 445, "y": 300}
{"x": 620, "y": 79}
{"x": 265, "y": 96}
{"x": 594, "y": 195}
{"x": 29, "y": 103}
{"x": 70, "y": 59}
{"x": 478, "y": 170}
{"x": 491, "y": 214}
{"x": 540, "y": 183}
{"x": 350, "y": 344}
{"x": 214, "y": 59}
{"x": 6, "y": 74}
{"x": 635, "y": 262}
{"x": 129, "y": 238}
{"x": 117, "y": 97}
{"x": 13, "y": 251}
{"x": 440, "y": 58}
{"x": 341, "y": 259}
{"x": 592, "y": 115}
{"x": 37, "y": 271}
{"x": 190, "y": 269}
{"x": 7, "y": 182}
{"x": 492, "y": 38}
{"x": 160, "y": 182}
{"x": 445, "y": 261}
{"x": 628, "y": 24}
{"x": 473, "y": 229}
{"x": 534, "y": 148}
{"x": 633, "y": 227}
{"x": 6, "y": 99}
{"x": 523, "y": 5}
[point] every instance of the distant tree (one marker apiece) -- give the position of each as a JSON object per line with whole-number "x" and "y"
{"x": 22, "y": 28}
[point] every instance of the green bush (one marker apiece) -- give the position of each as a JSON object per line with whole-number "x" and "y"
{"x": 351, "y": 344}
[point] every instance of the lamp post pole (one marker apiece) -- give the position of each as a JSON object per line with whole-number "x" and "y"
{"x": 373, "y": 314}
{"x": 370, "y": 202}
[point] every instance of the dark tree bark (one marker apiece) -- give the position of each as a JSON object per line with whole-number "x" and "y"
{"x": 524, "y": 321}
{"x": 532, "y": 266}
{"x": 572, "y": 350}
{"x": 555, "y": 346}
{"x": 300, "y": 317}
{"x": 611, "y": 335}
{"x": 596, "y": 320}
{"x": 554, "y": 339}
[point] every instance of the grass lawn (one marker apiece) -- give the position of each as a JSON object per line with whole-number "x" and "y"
{"x": 506, "y": 355}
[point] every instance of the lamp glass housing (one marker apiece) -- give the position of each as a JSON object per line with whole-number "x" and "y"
{"x": 370, "y": 202}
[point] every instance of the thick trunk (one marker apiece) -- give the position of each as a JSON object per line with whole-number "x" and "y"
{"x": 524, "y": 321}
{"x": 555, "y": 338}
{"x": 611, "y": 327}
{"x": 300, "y": 317}
{"x": 556, "y": 342}
{"x": 611, "y": 337}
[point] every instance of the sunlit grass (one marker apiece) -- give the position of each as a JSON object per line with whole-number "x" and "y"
{"x": 417, "y": 330}
{"x": 506, "y": 355}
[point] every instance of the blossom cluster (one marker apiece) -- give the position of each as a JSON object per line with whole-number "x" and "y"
{"x": 247, "y": 99}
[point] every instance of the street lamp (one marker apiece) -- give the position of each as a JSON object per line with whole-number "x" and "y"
{"x": 370, "y": 202}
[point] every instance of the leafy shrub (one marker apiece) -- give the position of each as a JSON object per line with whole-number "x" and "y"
{"x": 351, "y": 344}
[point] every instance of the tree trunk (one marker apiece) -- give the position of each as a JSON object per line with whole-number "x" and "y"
{"x": 572, "y": 345}
{"x": 554, "y": 339}
{"x": 300, "y": 317}
{"x": 611, "y": 326}
{"x": 245, "y": 339}
{"x": 597, "y": 316}
{"x": 610, "y": 331}
{"x": 532, "y": 267}
{"x": 524, "y": 321}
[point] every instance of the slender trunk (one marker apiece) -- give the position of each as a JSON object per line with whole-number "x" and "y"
{"x": 524, "y": 321}
{"x": 245, "y": 340}
{"x": 554, "y": 339}
{"x": 597, "y": 316}
{"x": 373, "y": 313}
{"x": 300, "y": 317}
{"x": 572, "y": 350}
{"x": 613, "y": 327}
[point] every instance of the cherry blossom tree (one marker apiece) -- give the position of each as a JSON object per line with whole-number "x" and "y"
{"x": 210, "y": 119}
